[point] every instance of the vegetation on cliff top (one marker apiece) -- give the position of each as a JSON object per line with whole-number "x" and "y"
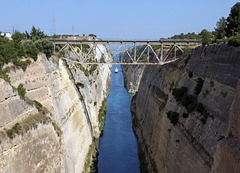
{"x": 23, "y": 45}
{"x": 227, "y": 30}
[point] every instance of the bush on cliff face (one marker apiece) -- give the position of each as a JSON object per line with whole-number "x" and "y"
{"x": 16, "y": 129}
{"x": 38, "y": 105}
{"x": 199, "y": 86}
{"x": 178, "y": 93}
{"x": 22, "y": 64}
{"x": 101, "y": 114}
{"x": 21, "y": 91}
{"x": 173, "y": 117}
{"x": 190, "y": 74}
{"x": 190, "y": 103}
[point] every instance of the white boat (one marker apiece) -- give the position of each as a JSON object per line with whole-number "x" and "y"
{"x": 116, "y": 70}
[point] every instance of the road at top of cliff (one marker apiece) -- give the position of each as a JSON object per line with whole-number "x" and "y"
{"x": 118, "y": 146}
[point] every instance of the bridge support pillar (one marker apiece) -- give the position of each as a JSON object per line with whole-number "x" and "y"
{"x": 175, "y": 51}
{"x": 161, "y": 53}
{"x": 135, "y": 52}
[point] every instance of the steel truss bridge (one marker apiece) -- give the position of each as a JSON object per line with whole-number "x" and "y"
{"x": 166, "y": 47}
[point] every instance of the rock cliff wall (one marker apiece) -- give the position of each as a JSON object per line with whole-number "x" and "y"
{"x": 198, "y": 131}
{"x": 51, "y": 127}
{"x": 132, "y": 75}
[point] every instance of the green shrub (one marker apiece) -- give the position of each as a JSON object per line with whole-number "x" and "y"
{"x": 12, "y": 51}
{"x": 0, "y": 142}
{"x": 181, "y": 96}
{"x": 80, "y": 84}
{"x": 199, "y": 86}
{"x": 200, "y": 108}
{"x": 95, "y": 103}
{"x": 190, "y": 103}
{"x": 178, "y": 93}
{"x": 16, "y": 129}
{"x": 5, "y": 76}
{"x": 234, "y": 41}
{"x": 85, "y": 71}
{"x": 222, "y": 40}
{"x": 18, "y": 37}
{"x": 21, "y": 91}
{"x": 22, "y": 64}
{"x": 93, "y": 68}
{"x": 173, "y": 117}
{"x": 101, "y": 114}
{"x": 211, "y": 83}
{"x": 45, "y": 46}
{"x": 102, "y": 60}
{"x": 38, "y": 105}
{"x": 31, "y": 49}
{"x": 186, "y": 100}
{"x": 203, "y": 120}
{"x": 85, "y": 47}
{"x": 220, "y": 138}
{"x": 190, "y": 74}
{"x": 185, "y": 115}
{"x": 10, "y": 133}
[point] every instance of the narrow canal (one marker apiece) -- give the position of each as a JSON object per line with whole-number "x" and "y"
{"x": 118, "y": 145}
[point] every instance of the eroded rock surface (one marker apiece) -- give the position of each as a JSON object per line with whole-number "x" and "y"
{"x": 55, "y": 137}
{"x": 196, "y": 143}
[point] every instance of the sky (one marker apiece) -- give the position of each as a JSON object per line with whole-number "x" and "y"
{"x": 125, "y": 19}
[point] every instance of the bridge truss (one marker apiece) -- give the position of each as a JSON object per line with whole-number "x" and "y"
{"x": 166, "y": 47}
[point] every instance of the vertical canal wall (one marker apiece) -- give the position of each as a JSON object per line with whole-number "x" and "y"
{"x": 55, "y": 122}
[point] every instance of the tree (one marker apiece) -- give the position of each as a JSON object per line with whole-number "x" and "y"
{"x": 33, "y": 32}
{"x": 233, "y": 21}
{"x": 92, "y": 35}
{"x": 206, "y": 37}
{"x": 27, "y": 35}
{"x": 45, "y": 46}
{"x": 234, "y": 41}
{"x": 36, "y": 34}
{"x": 31, "y": 49}
{"x": 221, "y": 28}
{"x": 17, "y": 36}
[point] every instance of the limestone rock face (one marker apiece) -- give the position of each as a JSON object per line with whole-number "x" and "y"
{"x": 193, "y": 144}
{"x": 57, "y": 137}
{"x": 132, "y": 77}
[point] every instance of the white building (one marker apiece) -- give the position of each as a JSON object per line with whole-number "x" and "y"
{"x": 7, "y": 35}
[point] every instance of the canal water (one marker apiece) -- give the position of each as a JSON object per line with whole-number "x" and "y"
{"x": 118, "y": 145}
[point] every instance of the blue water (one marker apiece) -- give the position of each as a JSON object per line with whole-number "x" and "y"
{"x": 118, "y": 145}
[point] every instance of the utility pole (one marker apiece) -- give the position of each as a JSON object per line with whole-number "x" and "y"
{"x": 73, "y": 29}
{"x": 53, "y": 26}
